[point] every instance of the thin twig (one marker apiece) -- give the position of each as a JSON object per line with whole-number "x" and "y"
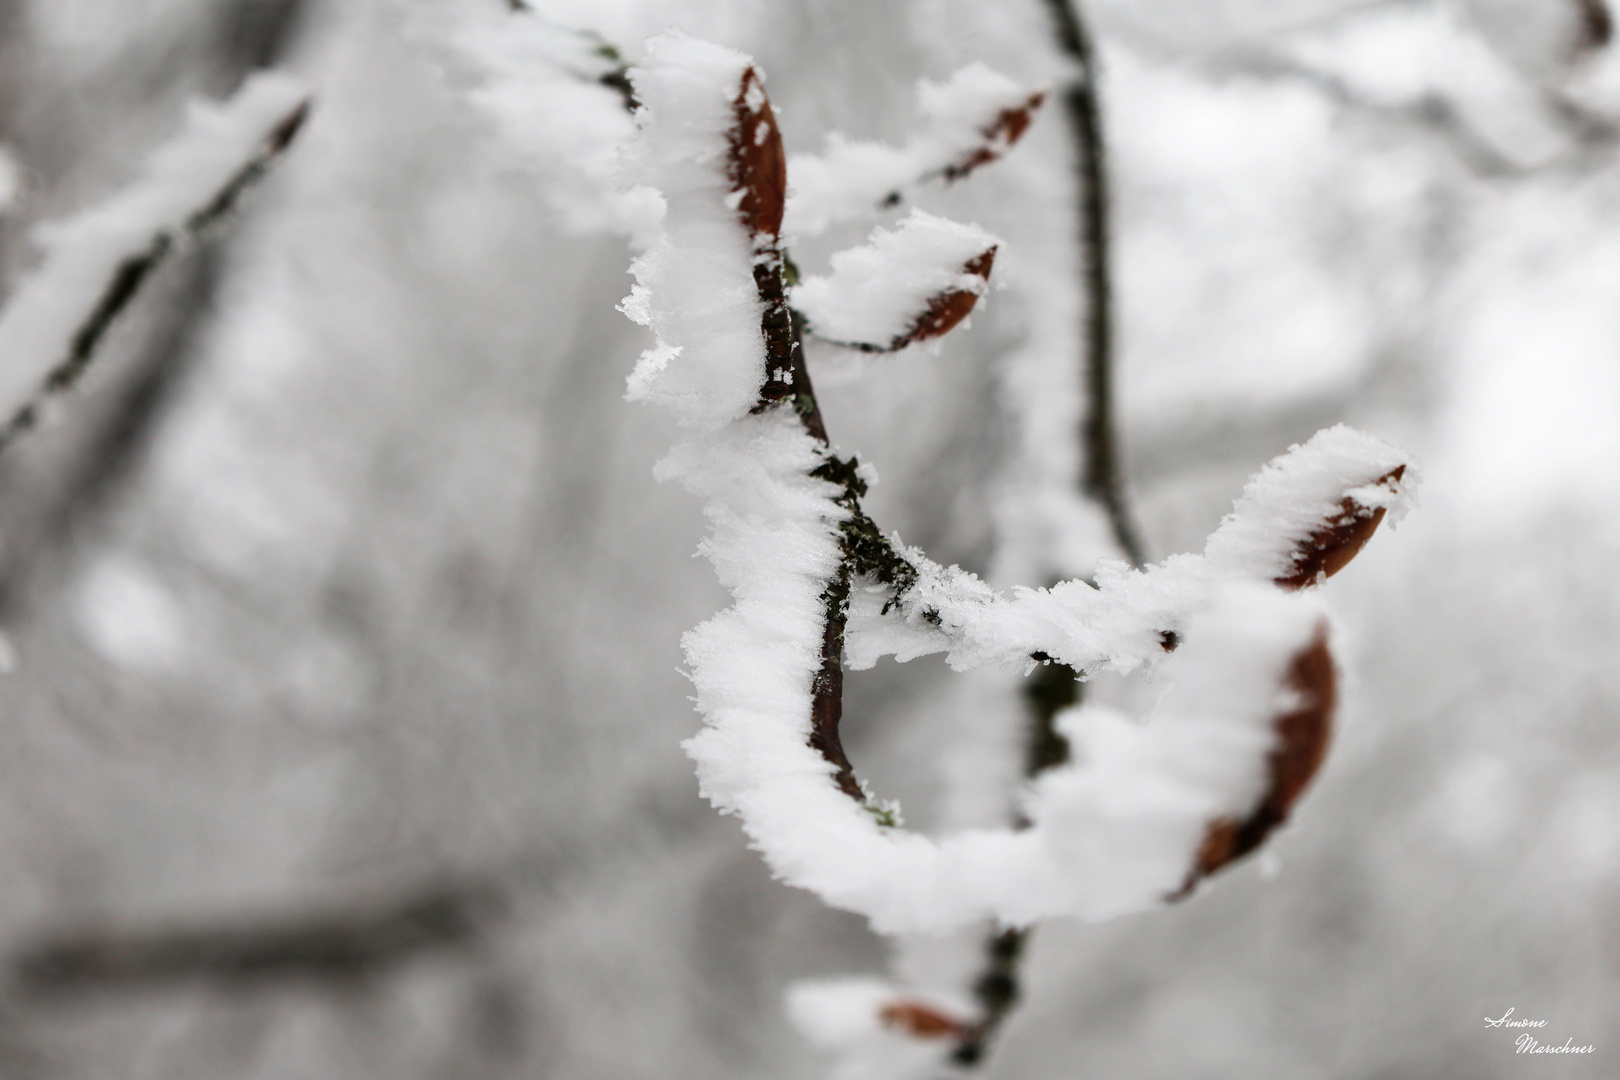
{"x": 757, "y": 168}
{"x": 787, "y": 381}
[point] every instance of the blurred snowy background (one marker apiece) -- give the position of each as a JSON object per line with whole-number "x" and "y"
{"x": 341, "y": 603}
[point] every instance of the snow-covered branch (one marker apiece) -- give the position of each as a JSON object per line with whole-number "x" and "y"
{"x": 97, "y": 261}
{"x": 1125, "y": 825}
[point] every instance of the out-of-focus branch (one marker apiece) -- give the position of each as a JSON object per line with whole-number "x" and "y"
{"x": 1104, "y": 473}
{"x": 40, "y": 311}
{"x": 257, "y": 33}
{"x": 1050, "y": 689}
{"x": 616, "y": 77}
{"x": 332, "y": 945}
{"x": 1054, "y": 687}
{"x": 1437, "y": 114}
{"x": 55, "y": 484}
{"x": 1431, "y": 112}
{"x": 997, "y": 991}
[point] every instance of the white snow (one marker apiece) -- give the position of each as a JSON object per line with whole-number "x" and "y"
{"x": 877, "y": 293}
{"x": 84, "y": 253}
{"x": 695, "y": 286}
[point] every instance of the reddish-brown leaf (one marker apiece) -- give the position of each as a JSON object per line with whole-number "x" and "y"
{"x": 757, "y": 167}
{"x": 947, "y": 309}
{"x": 1302, "y": 741}
{"x": 999, "y": 136}
{"x": 1327, "y": 550}
{"x": 921, "y": 1021}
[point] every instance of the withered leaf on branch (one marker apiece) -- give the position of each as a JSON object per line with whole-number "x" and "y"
{"x": 1302, "y": 736}
{"x": 921, "y": 1021}
{"x": 1330, "y": 548}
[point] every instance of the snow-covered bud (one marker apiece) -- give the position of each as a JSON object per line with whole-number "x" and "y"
{"x": 876, "y": 1030}
{"x": 708, "y": 144}
{"x": 1328, "y": 549}
{"x": 913, "y": 284}
{"x": 1307, "y": 513}
{"x": 1302, "y": 734}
